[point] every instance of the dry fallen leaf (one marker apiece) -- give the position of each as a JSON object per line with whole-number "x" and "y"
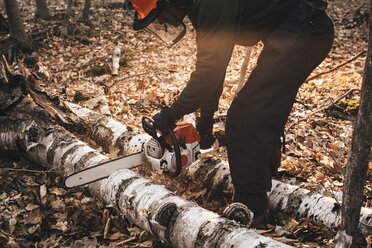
{"x": 60, "y": 225}
{"x": 34, "y": 217}
{"x": 57, "y": 191}
{"x": 43, "y": 192}
{"x": 64, "y": 62}
{"x": 12, "y": 225}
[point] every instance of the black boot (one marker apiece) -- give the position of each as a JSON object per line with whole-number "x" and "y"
{"x": 258, "y": 203}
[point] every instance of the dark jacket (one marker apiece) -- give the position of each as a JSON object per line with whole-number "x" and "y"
{"x": 219, "y": 25}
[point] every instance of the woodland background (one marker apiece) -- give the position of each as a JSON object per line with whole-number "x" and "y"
{"x": 37, "y": 211}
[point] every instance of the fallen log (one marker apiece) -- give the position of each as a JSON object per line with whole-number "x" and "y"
{"x": 111, "y": 135}
{"x": 283, "y": 197}
{"x": 108, "y": 133}
{"x": 174, "y": 219}
{"x": 215, "y": 175}
{"x": 150, "y": 206}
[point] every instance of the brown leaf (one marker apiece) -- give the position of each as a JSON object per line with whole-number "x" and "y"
{"x": 34, "y": 217}
{"x": 58, "y": 204}
{"x": 87, "y": 200}
{"x": 147, "y": 243}
{"x": 33, "y": 229}
{"x": 31, "y": 207}
{"x": 107, "y": 228}
{"x": 88, "y": 242}
{"x": 140, "y": 85}
{"x": 12, "y": 243}
{"x": 43, "y": 192}
{"x": 12, "y": 225}
{"x": 57, "y": 191}
{"x": 116, "y": 236}
{"x": 60, "y": 225}
{"x": 369, "y": 241}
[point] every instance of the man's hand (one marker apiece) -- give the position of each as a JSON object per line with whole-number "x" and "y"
{"x": 204, "y": 126}
{"x": 163, "y": 121}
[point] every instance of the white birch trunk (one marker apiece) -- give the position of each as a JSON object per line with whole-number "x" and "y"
{"x": 216, "y": 178}
{"x": 105, "y": 131}
{"x": 173, "y": 219}
{"x": 283, "y": 197}
{"x": 150, "y": 206}
{"x": 319, "y": 208}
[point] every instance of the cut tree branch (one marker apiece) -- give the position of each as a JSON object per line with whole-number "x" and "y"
{"x": 335, "y": 68}
{"x": 323, "y": 108}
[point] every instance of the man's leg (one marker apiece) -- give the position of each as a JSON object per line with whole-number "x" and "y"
{"x": 257, "y": 117}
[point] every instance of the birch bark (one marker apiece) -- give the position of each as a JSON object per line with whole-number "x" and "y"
{"x": 215, "y": 175}
{"x": 150, "y": 206}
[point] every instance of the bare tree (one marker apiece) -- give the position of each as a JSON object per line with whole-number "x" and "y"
{"x": 3, "y": 24}
{"x": 64, "y": 28}
{"x": 17, "y": 31}
{"x": 357, "y": 167}
{"x": 87, "y": 5}
{"x": 42, "y": 10}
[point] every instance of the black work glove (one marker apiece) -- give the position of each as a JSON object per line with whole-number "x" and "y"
{"x": 163, "y": 121}
{"x": 204, "y": 126}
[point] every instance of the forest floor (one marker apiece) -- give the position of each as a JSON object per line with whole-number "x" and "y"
{"x": 37, "y": 211}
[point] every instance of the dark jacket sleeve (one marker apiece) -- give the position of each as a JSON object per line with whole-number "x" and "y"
{"x": 214, "y": 21}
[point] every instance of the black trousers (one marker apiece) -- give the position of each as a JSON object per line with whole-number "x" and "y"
{"x": 257, "y": 116}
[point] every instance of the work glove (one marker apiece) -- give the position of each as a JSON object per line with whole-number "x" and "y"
{"x": 204, "y": 126}
{"x": 163, "y": 121}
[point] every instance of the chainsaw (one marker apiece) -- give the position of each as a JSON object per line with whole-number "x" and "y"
{"x": 166, "y": 153}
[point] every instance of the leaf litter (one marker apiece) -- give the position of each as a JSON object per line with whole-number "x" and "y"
{"x": 39, "y": 212}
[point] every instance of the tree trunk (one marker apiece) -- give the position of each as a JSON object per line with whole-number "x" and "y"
{"x": 150, "y": 206}
{"x": 86, "y": 9}
{"x": 64, "y": 28}
{"x": 215, "y": 174}
{"x": 17, "y": 31}
{"x": 3, "y": 24}
{"x": 357, "y": 165}
{"x": 42, "y": 10}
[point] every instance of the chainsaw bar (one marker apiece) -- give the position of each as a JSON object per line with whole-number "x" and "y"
{"x": 103, "y": 170}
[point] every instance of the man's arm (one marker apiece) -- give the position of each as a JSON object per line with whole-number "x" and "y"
{"x": 206, "y": 82}
{"x": 216, "y": 22}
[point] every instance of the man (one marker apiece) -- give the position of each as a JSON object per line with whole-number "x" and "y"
{"x": 297, "y": 36}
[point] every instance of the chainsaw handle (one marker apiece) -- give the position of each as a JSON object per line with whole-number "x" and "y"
{"x": 177, "y": 152}
{"x": 149, "y": 127}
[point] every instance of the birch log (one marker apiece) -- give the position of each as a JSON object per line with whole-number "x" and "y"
{"x": 150, "y": 206}
{"x": 105, "y": 131}
{"x": 174, "y": 219}
{"x": 215, "y": 175}
{"x": 283, "y": 197}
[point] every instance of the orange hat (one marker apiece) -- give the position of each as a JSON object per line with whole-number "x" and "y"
{"x": 146, "y": 12}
